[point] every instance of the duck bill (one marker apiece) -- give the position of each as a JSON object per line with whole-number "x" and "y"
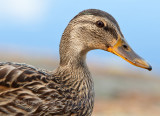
{"x": 123, "y": 50}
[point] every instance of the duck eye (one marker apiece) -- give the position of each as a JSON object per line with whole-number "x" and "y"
{"x": 100, "y": 24}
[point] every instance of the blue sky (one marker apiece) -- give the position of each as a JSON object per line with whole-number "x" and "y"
{"x": 36, "y": 26}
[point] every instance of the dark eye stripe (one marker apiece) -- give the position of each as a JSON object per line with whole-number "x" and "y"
{"x": 111, "y": 31}
{"x": 107, "y": 28}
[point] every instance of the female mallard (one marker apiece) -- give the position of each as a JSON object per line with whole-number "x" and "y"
{"x": 68, "y": 91}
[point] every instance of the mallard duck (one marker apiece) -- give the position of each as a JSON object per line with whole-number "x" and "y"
{"x": 68, "y": 90}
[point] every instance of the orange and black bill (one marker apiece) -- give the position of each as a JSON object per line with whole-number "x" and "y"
{"x": 123, "y": 50}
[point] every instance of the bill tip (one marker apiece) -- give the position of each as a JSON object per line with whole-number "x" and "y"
{"x": 149, "y": 68}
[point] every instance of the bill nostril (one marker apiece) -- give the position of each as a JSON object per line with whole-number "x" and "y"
{"x": 125, "y": 47}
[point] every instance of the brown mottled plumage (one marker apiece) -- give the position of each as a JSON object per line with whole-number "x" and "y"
{"x": 68, "y": 91}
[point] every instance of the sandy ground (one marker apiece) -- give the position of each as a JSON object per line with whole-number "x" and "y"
{"x": 130, "y": 105}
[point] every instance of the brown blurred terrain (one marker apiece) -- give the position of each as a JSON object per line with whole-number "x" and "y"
{"x": 118, "y": 92}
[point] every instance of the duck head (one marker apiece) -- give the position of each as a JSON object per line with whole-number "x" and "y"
{"x": 96, "y": 29}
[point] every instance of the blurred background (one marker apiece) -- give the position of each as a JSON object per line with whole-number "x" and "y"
{"x": 30, "y": 32}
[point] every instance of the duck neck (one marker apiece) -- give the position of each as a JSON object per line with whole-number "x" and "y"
{"x": 73, "y": 56}
{"x": 72, "y": 51}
